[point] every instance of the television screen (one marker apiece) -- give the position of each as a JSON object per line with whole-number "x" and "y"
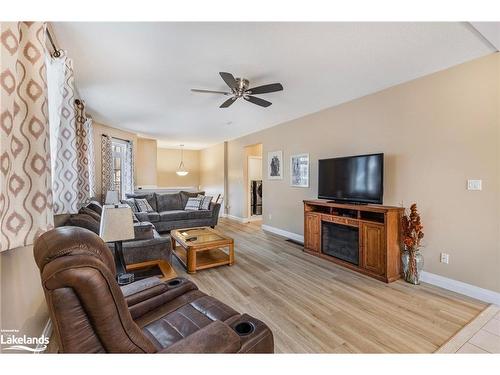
{"x": 357, "y": 179}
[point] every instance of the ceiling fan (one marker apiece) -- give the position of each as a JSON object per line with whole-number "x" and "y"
{"x": 240, "y": 89}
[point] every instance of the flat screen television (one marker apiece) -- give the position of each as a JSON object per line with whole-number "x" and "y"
{"x": 353, "y": 179}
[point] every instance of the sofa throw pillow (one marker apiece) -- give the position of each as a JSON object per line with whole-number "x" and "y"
{"x": 193, "y": 204}
{"x": 205, "y": 201}
{"x": 185, "y": 195}
{"x": 143, "y": 205}
{"x": 150, "y": 197}
{"x": 131, "y": 203}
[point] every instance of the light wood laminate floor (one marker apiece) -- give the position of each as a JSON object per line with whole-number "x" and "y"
{"x": 315, "y": 306}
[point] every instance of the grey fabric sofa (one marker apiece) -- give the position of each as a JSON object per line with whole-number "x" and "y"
{"x": 169, "y": 213}
{"x": 147, "y": 244}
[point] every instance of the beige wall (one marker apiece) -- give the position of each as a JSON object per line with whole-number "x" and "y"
{"x": 436, "y": 132}
{"x": 100, "y": 129}
{"x": 22, "y": 300}
{"x": 212, "y": 170}
{"x": 254, "y": 150}
{"x": 254, "y": 168}
{"x": 167, "y": 163}
{"x": 146, "y": 162}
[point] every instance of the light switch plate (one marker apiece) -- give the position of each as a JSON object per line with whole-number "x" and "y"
{"x": 474, "y": 184}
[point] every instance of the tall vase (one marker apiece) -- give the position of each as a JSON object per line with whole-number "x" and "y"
{"x": 413, "y": 263}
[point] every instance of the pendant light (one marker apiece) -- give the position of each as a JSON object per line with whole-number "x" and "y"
{"x": 182, "y": 171}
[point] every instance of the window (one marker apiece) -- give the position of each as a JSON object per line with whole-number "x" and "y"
{"x": 119, "y": 154}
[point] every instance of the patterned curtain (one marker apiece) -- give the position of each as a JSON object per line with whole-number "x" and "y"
{"x": 25, "y": 179}
{"x": 71, "y": 135}
{"x": 85, "y": 154}
{"x": 107, "y": 181}
{"x": 128, "y": 170}
{"x": 63, "y": 134}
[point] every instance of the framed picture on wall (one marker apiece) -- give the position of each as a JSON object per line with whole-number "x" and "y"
{"x": 275, "y": 165}
{"x": 299, "y": 170}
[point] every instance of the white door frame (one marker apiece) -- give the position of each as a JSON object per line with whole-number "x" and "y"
{"x": 249, "y": 191}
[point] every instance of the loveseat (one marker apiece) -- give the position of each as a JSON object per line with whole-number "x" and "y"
{"x": 168, "y": 211}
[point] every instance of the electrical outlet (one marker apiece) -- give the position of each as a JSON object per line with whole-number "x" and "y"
{"x": 474, "y": 184}
{"x": 445, "y": 258}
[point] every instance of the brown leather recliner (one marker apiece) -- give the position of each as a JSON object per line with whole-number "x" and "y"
{"x": 91, "y": 314}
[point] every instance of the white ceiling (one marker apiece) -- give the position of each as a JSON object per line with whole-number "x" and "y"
{"x": 490, "y": 31}
{"x": 138, "y": 76}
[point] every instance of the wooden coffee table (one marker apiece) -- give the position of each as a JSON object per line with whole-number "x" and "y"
{"x": 201, "y": 248}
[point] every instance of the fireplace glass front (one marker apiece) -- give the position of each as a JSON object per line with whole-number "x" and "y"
{"x": 340, "y": 241}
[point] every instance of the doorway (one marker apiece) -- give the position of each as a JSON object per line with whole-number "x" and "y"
{"x": 254, "y": 182}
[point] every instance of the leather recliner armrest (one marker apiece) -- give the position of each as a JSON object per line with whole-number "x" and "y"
{"x": 142, "y": 290}
{"x": 145, "y": 295}
{"x": 217, "y": 337}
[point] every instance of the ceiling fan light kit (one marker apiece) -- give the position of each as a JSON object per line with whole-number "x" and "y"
{"x": 240, "y": 89}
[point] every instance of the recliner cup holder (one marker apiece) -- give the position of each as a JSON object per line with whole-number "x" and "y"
{"x": 244, "y": 328}
{"x": 174, "y": 282}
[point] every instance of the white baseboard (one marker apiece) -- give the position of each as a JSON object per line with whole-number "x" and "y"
{"x": 237, "y": 218}
{"x": 283, "y": 233}
{"x": 243, "y": 219}
{"x": 470, "y": 290}
{"x": 255, "y": 218}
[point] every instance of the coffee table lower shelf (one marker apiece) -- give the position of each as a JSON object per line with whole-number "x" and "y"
{"x": 204, "y": 258}
{"x": 159, "y": 267}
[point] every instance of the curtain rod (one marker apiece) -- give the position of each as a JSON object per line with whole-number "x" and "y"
{"x": 57, "y": 52}
{"x": 117, "y": 138}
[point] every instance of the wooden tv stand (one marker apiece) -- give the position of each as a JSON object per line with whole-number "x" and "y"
{"x": 379, "y": 241}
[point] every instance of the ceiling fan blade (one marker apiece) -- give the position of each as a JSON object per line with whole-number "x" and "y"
{"x": 228, "y": 102}
{"x": 265, "y": 88}
{"x": 229, "y": 79}
{"x": 211, "y": 91}
{"x": 258, "y": 101}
